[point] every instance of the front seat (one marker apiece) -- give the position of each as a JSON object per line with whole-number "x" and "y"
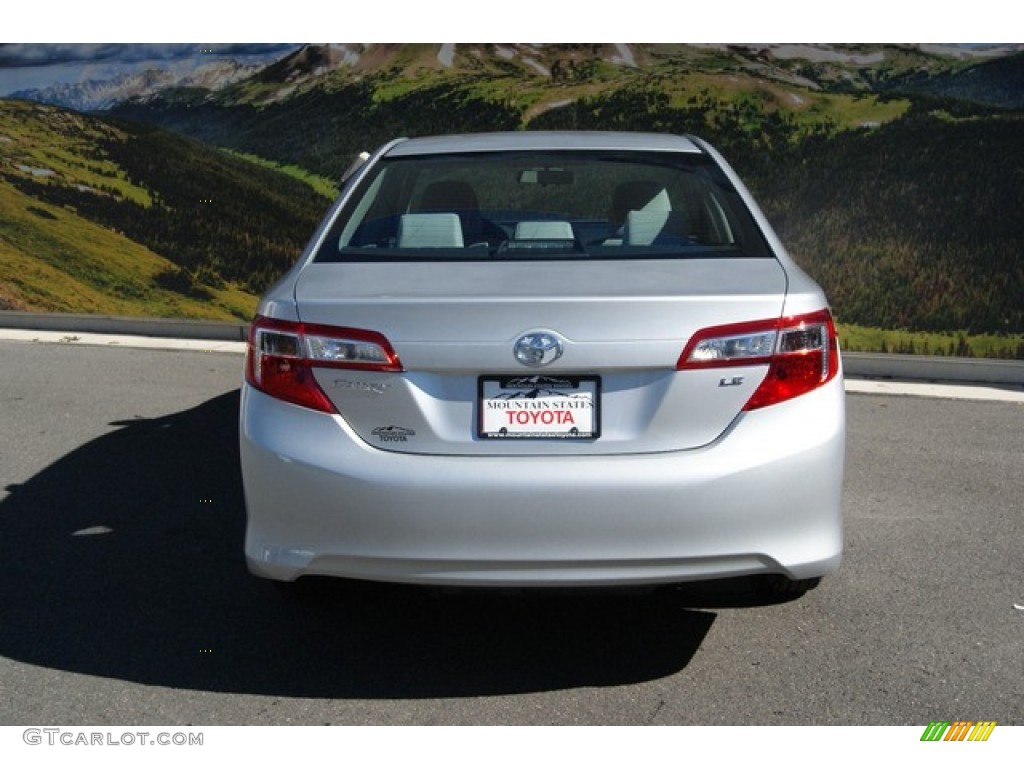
{"x": 643, "y": 212}
{"x": 453, "y": 196}
{"x": 639, "y": 195}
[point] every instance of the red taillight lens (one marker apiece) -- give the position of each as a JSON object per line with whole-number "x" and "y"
{"x": 801, "y": 351}
{"x": 282, "y": 354}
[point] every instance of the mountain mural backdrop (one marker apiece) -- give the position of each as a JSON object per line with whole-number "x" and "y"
{"x": 895, "y": 174}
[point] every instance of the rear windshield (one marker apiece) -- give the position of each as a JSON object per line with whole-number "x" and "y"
{"x": 543, "y": 205}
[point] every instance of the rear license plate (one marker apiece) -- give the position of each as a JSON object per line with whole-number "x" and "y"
{"x": 540, "y": 407}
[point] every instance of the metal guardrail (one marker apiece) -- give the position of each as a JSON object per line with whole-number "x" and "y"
{"x": 965, "y": 370}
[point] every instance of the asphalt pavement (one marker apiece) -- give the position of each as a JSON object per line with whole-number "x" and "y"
{"x": 126, "y": 599}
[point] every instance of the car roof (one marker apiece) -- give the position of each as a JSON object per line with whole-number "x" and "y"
{"x": 542, "y": 140}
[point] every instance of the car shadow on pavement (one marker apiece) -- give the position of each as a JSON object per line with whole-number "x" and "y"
{"x": 124, "y": 560}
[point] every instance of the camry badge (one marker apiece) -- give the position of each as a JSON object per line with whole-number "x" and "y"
{"x": 537, "y": 349}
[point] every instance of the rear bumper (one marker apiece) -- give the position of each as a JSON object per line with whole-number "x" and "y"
{"x": 763, "y": 498}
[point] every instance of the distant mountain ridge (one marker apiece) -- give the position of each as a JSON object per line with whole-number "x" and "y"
{"x": 360, "y": 95}
{"x": 98, "y": 95}
{"x": 865, "y": 68}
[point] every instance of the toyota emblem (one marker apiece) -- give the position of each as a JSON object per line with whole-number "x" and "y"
{"x": 537, "y": 349}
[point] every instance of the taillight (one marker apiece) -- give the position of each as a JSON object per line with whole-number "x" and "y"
{"x": 801, "y": 352}
{"x": 282, "y": 354}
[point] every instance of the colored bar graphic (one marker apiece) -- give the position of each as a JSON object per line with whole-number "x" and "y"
{"x": 982, "y": 730}
{"x": 935, "y": 730}
{"x": 959, "y": 730}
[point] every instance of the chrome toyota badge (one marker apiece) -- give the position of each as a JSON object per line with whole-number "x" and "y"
{"x": 537, "y": 349}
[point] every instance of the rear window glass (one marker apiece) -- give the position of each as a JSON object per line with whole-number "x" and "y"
{"x": 543, "y": 205}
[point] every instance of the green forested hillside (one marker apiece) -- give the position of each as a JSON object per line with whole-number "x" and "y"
{"x": 54, "y": 260}
{"x": 912, "y": 224}
{"x": 303, "y": 112}
{"x": 106, "y": 216}
{"x": 323, "y": 130}
{"x": 904, "y": 204}
{"x": 997, "y": 83}
{"x": 915, "y": 224}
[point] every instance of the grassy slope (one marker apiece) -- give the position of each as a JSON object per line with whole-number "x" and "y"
{"x": 66, "y": 205}
{"x": 53, "y": 260}
{"x": 858, "y": 338}
{"x": 323, "y": 185}
{"x": 914, "y": 225}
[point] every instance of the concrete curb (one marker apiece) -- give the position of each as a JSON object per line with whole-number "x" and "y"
{"x": 955, "y": 370}
{"x": 207, "y": 330}
{"x": 965, "y": 370}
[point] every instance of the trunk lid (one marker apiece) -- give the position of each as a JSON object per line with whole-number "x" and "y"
{"x": 624, "y": 323}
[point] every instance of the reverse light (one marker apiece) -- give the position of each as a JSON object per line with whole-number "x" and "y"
{"x": 282, "y": 354}
{"x": 802, "y": 353}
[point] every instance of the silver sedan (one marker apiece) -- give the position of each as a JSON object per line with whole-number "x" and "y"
{"x": 544, "y": 359}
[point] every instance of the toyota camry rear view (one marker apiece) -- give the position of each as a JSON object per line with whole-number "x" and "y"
{"x": 544, "y": 359}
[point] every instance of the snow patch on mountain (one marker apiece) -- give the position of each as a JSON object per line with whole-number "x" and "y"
{"x": 347, "y": 53}
{"x": 624, "y": 55}
{"x": 537, "y": 66}
{"x": 825, "y": 54}
{"x": 32, "y": 171}
{"x": 93, "y": 95}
